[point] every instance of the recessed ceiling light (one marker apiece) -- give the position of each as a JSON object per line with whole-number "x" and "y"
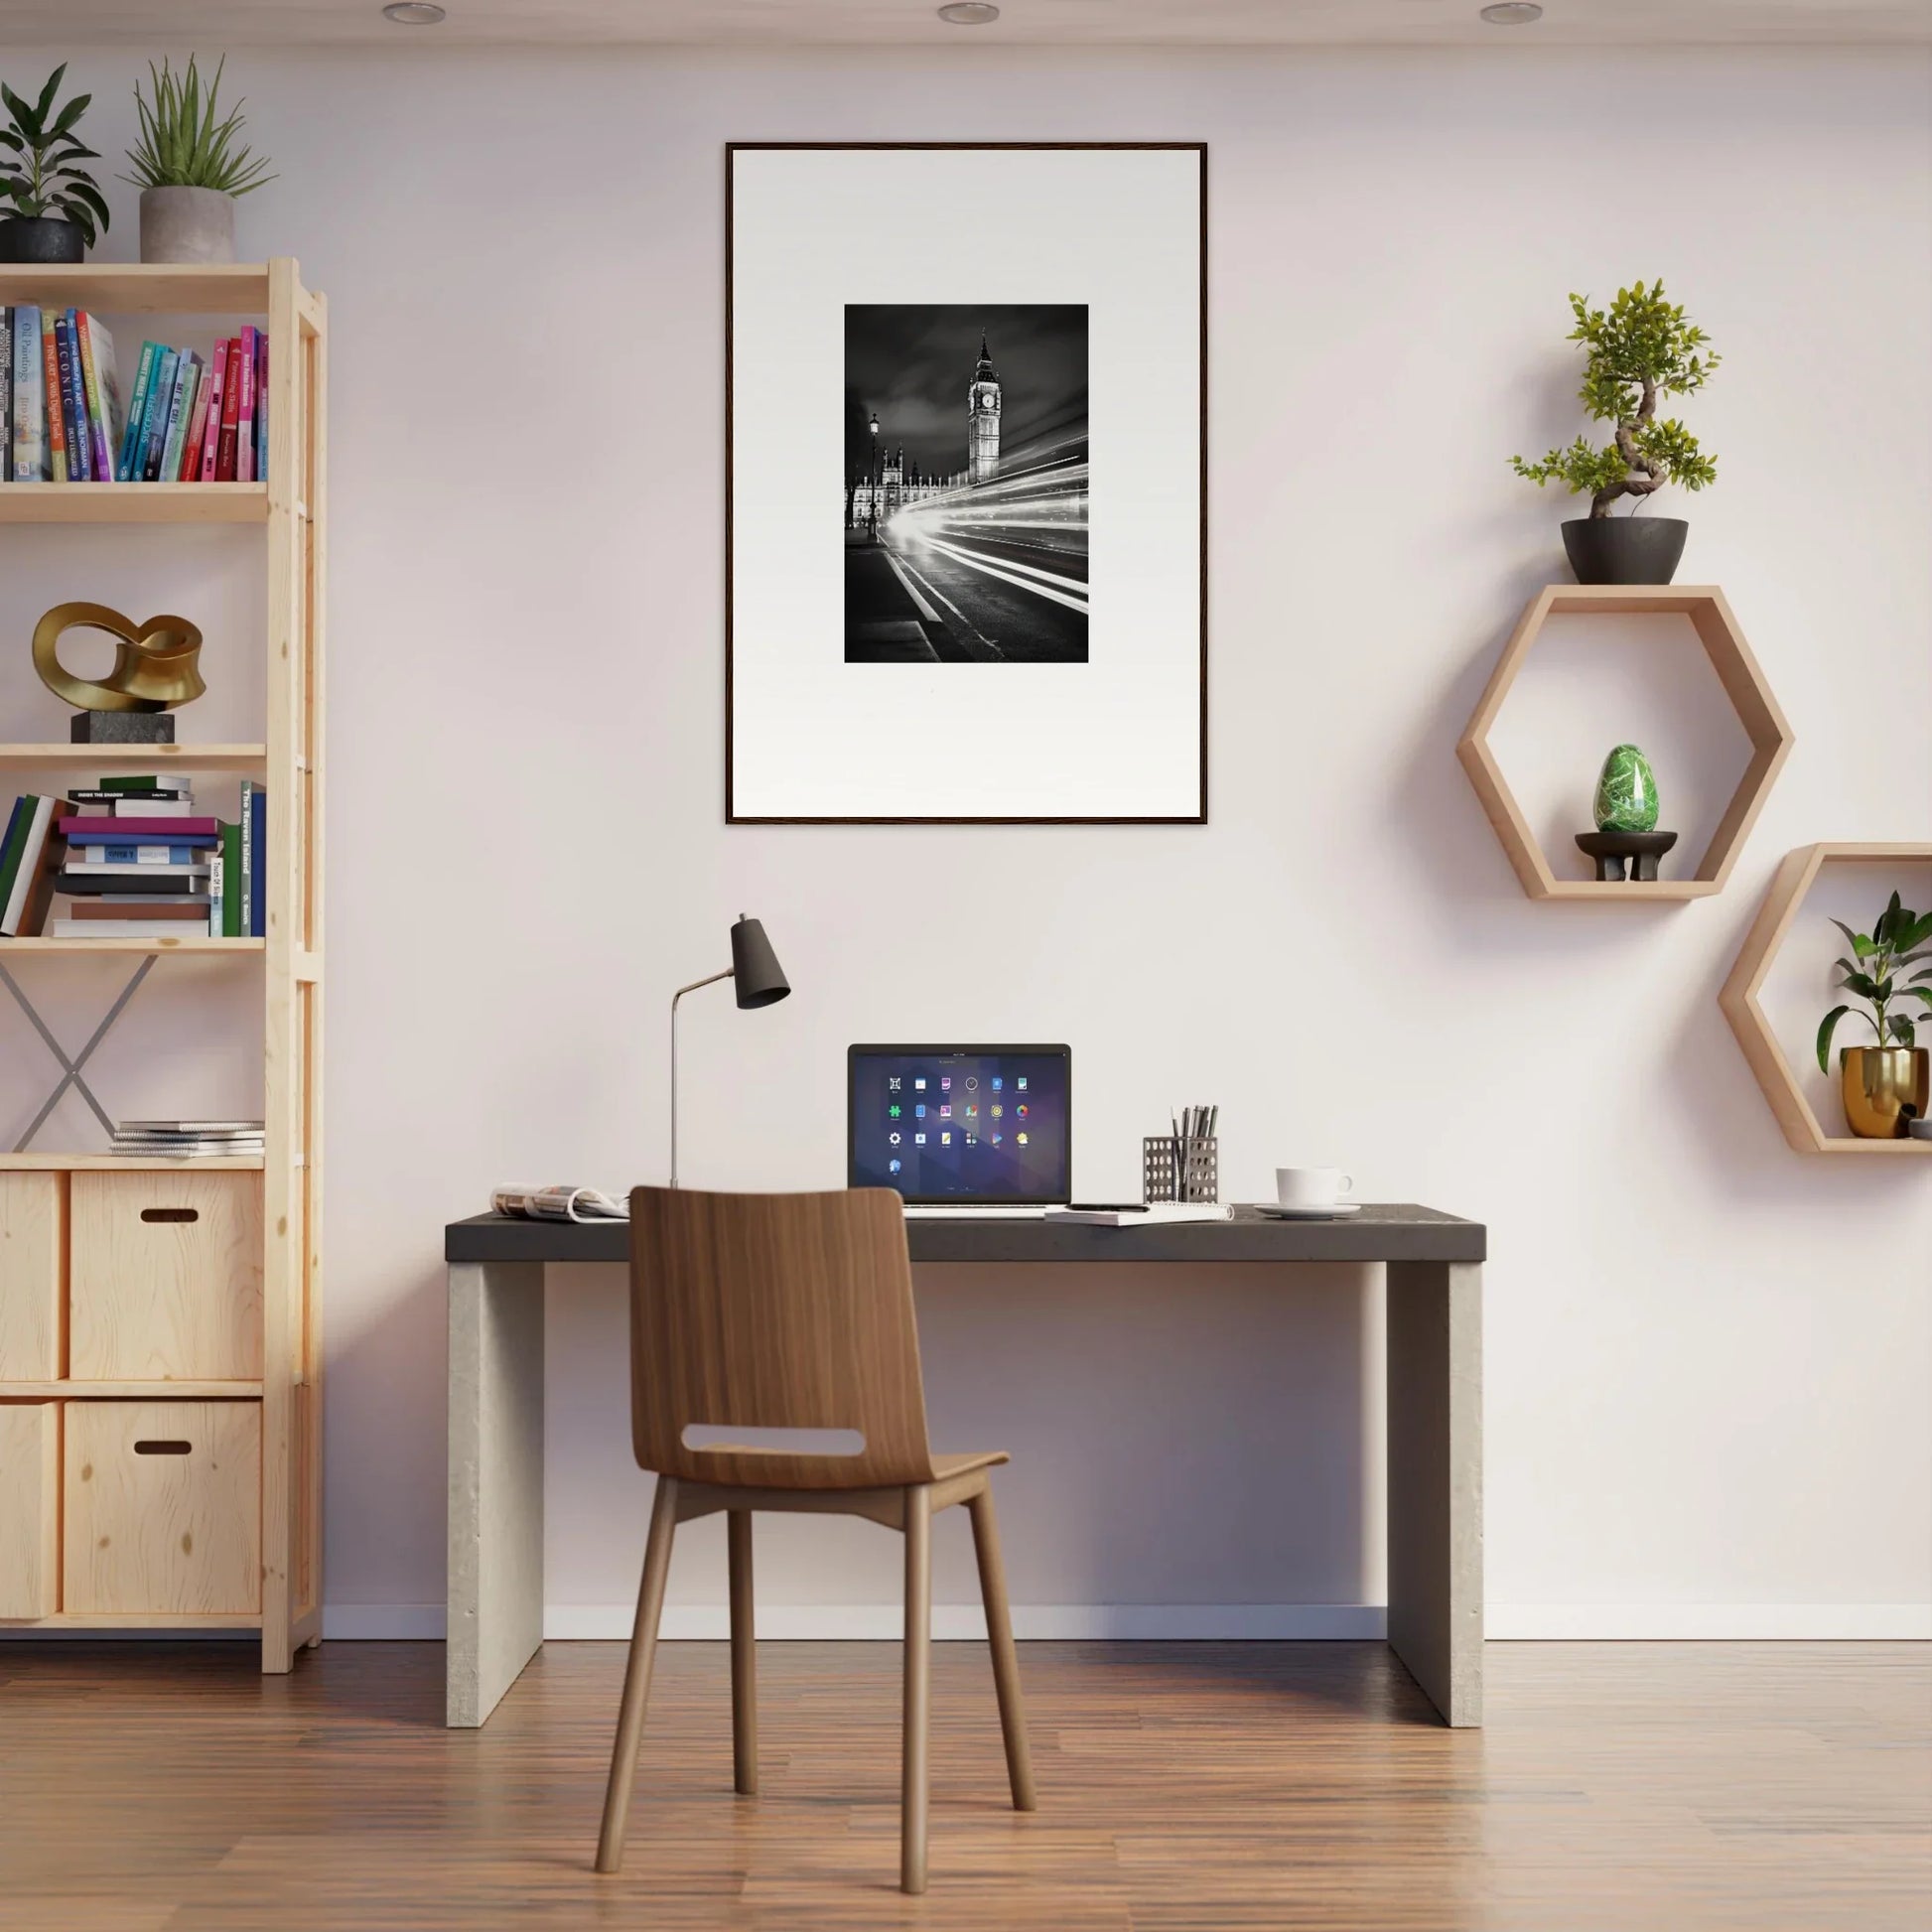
{"x": 1512, "y": 13}
{"x": 969, "y": 13}
{"x": 414, "y": 13}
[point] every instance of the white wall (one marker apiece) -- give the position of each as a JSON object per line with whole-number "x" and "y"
{"x": 1705, "y": 1356}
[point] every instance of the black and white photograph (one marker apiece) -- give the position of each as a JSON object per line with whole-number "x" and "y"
{"x": 965, "y": 490}
{"x": 998, "y": 353}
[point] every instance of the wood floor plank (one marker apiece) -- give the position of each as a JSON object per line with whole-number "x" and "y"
{"x": 1183, "y": 1788}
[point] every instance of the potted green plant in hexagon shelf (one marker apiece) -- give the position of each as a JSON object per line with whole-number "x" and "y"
{"x": 51, "y": 208}
{"x": 1639, "y": 350}
{"x": 1883, "y": 1085}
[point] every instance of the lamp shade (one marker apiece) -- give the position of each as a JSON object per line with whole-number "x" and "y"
{"x": 756, "y": 977}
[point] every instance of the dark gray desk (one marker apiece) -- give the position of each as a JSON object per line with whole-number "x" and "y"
{"x": 1435, "y": 1404}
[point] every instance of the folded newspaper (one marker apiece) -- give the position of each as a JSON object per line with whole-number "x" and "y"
{"x": 558, "y": 1205}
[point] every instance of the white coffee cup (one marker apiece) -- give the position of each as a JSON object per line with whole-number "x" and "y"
{"x": 1311, "y": 1186}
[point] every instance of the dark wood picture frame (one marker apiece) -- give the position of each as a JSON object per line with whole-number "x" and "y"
{"x": 731, "y": 150}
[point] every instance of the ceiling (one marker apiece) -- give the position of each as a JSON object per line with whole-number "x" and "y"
{"x": 1083, "y": 23}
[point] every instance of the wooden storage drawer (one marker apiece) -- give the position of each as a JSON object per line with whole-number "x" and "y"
{"x": 29, "y": 1529}
{"x": 162, "y": 1506}
{"x": 33, "y": 1249}
{"x": 166, "y": 1276}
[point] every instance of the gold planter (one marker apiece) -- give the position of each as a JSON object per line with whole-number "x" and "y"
{"x": 1883, "y": 1088}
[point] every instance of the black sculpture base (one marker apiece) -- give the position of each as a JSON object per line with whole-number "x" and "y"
{"x": 1611, "y": 850}
{"x": 122, "y": 728}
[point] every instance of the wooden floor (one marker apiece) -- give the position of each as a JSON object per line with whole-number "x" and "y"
{"x": 1629, "y": 1787}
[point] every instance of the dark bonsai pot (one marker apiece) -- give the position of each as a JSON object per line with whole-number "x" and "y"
{"x": 1624, "y": 549}
{"x": 40, "y": 238}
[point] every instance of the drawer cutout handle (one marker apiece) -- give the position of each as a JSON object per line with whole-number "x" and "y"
{"x": 171, "y": 1213}
{"x": 162, "y": 1447}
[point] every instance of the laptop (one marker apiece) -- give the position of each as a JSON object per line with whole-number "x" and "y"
{"x": 970, "y": 1130}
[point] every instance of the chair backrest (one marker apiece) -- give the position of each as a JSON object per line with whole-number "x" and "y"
{"x": 774, "y": 1311}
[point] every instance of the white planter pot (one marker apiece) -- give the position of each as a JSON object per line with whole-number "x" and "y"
{"x": 186, "y": 224}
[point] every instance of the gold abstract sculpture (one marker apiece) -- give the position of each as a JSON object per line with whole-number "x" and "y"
{"x": 153, "y": 662}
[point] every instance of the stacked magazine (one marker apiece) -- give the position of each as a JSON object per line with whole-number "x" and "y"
{"x": 177, "y": 1140}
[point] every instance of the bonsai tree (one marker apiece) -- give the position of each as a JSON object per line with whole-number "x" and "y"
{"x": 38, "y": 150}
{"x": 183, "y": 144}
{"x": 1641, "y": 348}
{"x": 1898, "y": 939}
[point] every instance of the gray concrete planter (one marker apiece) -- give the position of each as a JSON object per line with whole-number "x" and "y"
{"x": 186, "y": 224}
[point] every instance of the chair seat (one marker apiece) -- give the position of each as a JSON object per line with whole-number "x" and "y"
{"x": 945, "y": 1467}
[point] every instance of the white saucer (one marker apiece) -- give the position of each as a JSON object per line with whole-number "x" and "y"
{"x": 1275, "y": 1212}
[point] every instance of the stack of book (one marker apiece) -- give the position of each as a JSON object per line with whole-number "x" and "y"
{"x": 187, "y": 1140}
{"x": 189, "y": 419}
{"x": 137, "y": 862}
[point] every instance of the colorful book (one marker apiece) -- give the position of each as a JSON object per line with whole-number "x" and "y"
{"x": 229, "y": 898}
{"x": 10, "y": 846}
{"x": 104, "y": 386}
{"x": 261, "y": 406}
{"x": 189, "y": 465}
{"x": 179, "y": 412}
{"x": 73, "y": 406}
{"x": 6, "y": 395}
{"x": 187, "y": 906}
{"x": 139, "y": 783}
{"x": 255, "y": 862}
{"x": 56, "y": 421}
{"x": 179, "y": 831}
{"x": 32, "y": 881}
{"x": 244, "y": 461}
{"x": 154, "y": 429}
{"x": 137, "y": 409}
{"x": 29, "y": 404}
{"x": 230, "y": 416}
{"x": 217, "y": 370}
{"x": 163, "y": 881}
{"x": 134, "y": 855}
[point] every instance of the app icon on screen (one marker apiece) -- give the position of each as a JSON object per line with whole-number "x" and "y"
{"x": 996, "y": 1140}
{"x": 1021, "y": 1138}
{"x": 1021, "y": 1083}
{"x": 892, "y": 1166}
{"x": 918, "y": 1140}
{"x": 972, "y": 1080}
{"x": 918, "y": 1110}
{"x": 971, "y": 1141}
{"x": 946, "y": 1083}
{"x": 1021, "y": 1110}
{"x": 971, "y": 1112}
{"x": 893, "y": 1110}
{"x": 893, "y": 1138}
{"x": 998, "y": 1110}
{"x": 997, "y": 1083}
{"x": 892, "y": 1083}
{"x": 946, "y": 1140}
{"x": 945, "y": 1112}
{"x": 918, "y": 1084}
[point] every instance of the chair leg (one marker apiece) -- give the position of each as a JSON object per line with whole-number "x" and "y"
{"x": 745, "y": 1668}
{"x": 636, "y": 1676}
{"x": 914, "y": 1773}
{"x": 1005, "y": 1660}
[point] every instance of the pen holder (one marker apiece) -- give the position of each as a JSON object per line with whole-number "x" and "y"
{"x": 1174, "y": 1170}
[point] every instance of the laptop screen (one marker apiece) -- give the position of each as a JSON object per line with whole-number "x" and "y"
{"x": 986, "y": 1125}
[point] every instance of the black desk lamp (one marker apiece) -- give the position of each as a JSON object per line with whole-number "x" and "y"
{"x": 759, "y": 982}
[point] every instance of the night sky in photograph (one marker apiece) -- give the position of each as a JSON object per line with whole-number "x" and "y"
{"x": 913, "y": 364}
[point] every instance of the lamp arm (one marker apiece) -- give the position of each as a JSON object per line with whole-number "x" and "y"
{"x": 711, "y": 980}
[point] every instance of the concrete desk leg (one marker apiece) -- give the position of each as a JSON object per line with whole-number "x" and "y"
{"x": 495, "y": 1614}
{"x": 1434, "y": 1329}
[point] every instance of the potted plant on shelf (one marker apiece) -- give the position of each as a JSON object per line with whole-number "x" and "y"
{"x": 1885, "y": 1086}
{"x": 1638, "y": 351}
{"x": 51, "y": 206}
{"x": 187, "y": 168}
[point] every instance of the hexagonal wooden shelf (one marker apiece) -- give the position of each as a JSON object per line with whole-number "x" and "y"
{"x": 1744, "y": 683}
{"x": 1794, "y": 879}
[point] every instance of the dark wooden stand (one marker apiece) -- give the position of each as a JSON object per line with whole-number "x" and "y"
{"x": 1611, "y": 850}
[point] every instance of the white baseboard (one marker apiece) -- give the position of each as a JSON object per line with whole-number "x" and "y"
{"x": 1202, "y": 1622}
{"x": 1708, "y": 1623}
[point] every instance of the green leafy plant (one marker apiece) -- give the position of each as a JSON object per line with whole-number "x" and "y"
{"x": 1896, "y": 941}
{"x": 1641, "y": 348}
{"x": 183, "y": 144}
{"x": 38, "y": 151}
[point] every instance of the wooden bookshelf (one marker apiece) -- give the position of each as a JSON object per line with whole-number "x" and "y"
{"x": 132, "y": 503}
{"x": 109, "y": 757}
{"x": 54, "y": 1207}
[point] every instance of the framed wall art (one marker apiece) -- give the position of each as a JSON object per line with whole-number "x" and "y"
{"x": 966, "y": 483}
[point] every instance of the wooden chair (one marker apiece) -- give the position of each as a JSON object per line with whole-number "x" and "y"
{"x": 776, "y": 1312}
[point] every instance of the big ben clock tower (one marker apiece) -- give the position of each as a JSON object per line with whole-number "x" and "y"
{"x": 983, "y": 420}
